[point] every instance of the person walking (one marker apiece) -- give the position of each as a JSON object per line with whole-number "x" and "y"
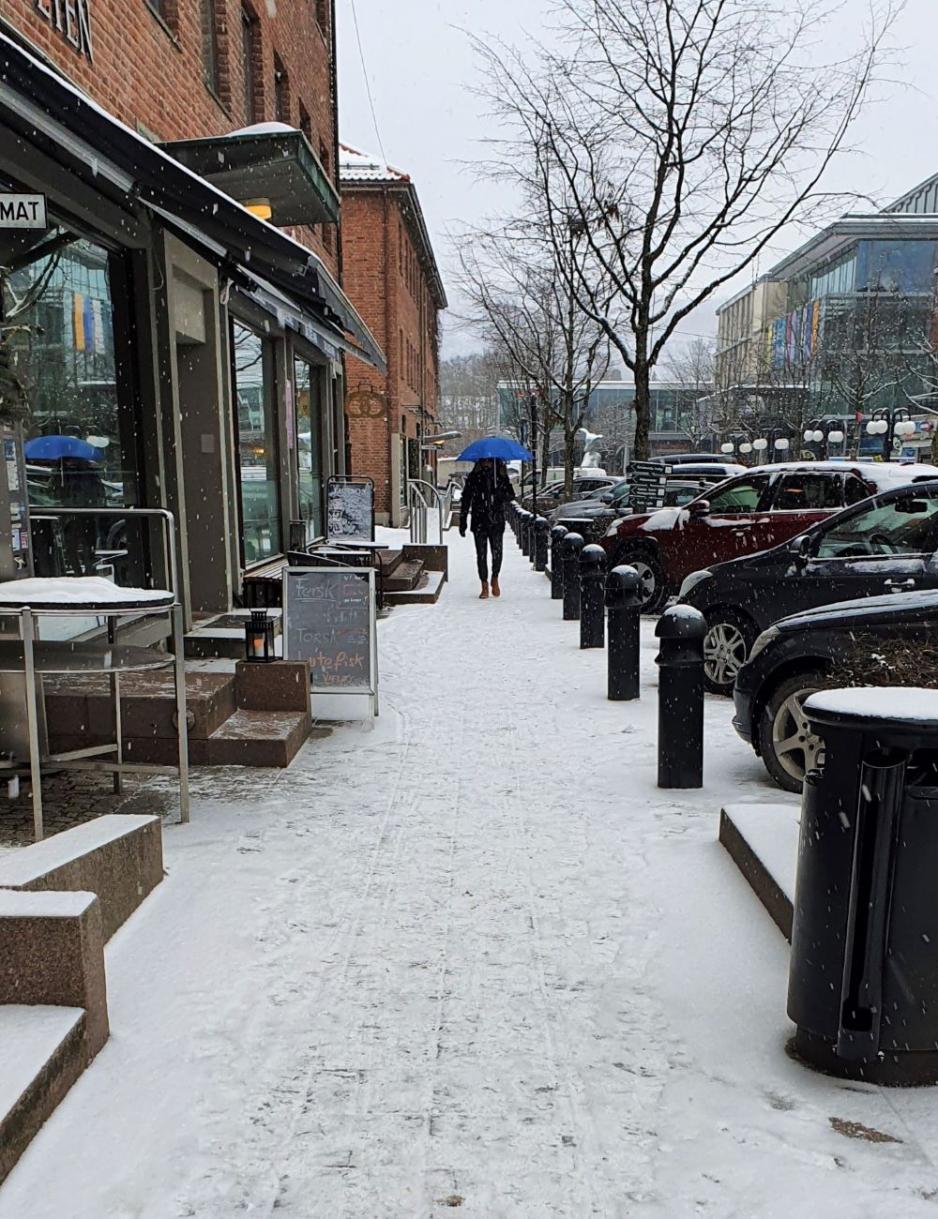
{"x": 487, "y": 491}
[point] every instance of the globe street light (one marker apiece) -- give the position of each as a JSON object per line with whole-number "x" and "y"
{"x": 889, "y": 423}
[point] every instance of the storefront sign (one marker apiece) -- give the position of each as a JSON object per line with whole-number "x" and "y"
{"x": 22, "y": 211}
{"x": 72, "y": 18}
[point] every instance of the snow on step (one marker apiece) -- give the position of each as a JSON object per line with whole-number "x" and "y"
{"x": 771, "y": 831}
{"x": 30, "y": 1036}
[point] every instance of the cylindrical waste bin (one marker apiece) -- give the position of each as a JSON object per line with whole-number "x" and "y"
{"x": 863, "y": 982}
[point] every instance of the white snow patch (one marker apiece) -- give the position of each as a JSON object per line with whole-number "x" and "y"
{"x": 82, "y": 591}
{"x": 771, "y": 832}
{"x": 42, "y": 857}
{"x": 29, "y": 1035}
{"x": 43, "y": 904}
{"x": 908, "y": 704}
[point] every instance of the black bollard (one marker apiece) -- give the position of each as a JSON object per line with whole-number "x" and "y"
{"x": 572, "y": 545}
{"x": 624, "y": 603}
{"x": 526, "y": 518}
{"x": 592, "y": 600}
{"x": 541, "y": 542}
{"x": 557, "y": 535}
{"x": 681, "y": 697}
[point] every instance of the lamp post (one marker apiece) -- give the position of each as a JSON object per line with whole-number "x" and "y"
{"x": 825, "y": 432}
{"x": 890, "y": 422}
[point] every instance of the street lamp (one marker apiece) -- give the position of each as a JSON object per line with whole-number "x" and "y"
{"x": 890, "y": 422}
{"x": 825, "y": 432}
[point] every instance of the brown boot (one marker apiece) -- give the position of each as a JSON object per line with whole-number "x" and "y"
{"x": 484, "y": 595}
{"x": 496, "y": 591}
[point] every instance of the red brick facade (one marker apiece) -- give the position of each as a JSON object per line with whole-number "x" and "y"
{"x": 151, "y": 64}
{"x": 391, "y": 279}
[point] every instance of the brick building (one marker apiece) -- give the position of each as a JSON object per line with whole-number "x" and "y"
{"x": 392, "y": 277}
{"x": 202, "y": 347}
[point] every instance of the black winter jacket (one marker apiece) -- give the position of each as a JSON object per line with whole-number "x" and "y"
{"x": 487, "y": 491}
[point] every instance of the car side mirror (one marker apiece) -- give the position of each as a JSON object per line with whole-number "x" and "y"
{"x": 800, "y": 548}
{"x": 699, "y": 508}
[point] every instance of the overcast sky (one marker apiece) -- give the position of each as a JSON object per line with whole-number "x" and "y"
{"x": 421, "y": 70}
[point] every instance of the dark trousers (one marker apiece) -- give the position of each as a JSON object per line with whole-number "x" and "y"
{"x": 485, "y": 538}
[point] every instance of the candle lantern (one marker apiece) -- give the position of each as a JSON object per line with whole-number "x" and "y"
{"x": 259, "y": 637}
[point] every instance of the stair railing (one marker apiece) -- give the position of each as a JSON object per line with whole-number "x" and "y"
{"x": 423, "y": 498}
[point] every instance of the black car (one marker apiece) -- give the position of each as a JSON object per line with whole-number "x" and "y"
{"x": 890, "y": 639}
{"x": 885, "y": 544}
{"x": 550, "y": 496}
{"x": 593, "y": 515}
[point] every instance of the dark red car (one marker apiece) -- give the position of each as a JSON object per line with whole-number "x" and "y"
{"x": 751, "y": 512}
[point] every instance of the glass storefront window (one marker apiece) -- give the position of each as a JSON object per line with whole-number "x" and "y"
{"x": 257, "y": 446}
{"x": 308, "y": 447}
{"x": 81, "y": 434}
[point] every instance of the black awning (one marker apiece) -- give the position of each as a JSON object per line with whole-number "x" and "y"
{"x": 50, "y": 112}
{"x": 269, "y": 161}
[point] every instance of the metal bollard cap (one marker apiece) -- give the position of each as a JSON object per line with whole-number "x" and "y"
{"x": 542, "y": 524}
{"x": 681, "y": 622}
{"x": 592, "y": 558}
{"x": 623, "y": 588}
{"x": 559, "y": 532}
{"x": 573, "y": 543}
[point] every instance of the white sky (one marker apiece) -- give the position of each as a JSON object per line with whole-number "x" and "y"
{"x": 421, "y": 69}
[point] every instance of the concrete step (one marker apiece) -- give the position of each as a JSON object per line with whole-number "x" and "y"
{"x": 406, "y": 577}
{"x": 79, "y": 710}
{"x": 427, "y": 592}
{"x": 389, "y": 561}
{"x": 258, "y": 738}
{"x": 43, "y": 1055}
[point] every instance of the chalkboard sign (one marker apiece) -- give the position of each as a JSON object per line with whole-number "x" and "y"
{"x": 648, "y": 482}
{"x": 329, "y": 620}
{"x": 350, "y": 510}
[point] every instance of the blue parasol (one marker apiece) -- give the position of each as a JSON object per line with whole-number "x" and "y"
{"x": 60, "y": 448}
{"x": 499, "y": 447}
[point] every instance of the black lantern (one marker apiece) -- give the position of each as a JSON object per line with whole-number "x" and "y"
{"x": 259, "y": 637}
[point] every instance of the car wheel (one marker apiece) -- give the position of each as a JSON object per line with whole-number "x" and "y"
{"x": 787, "y": 746}
{"x": 654, "y": 591}
{"x": 727, "y": 644}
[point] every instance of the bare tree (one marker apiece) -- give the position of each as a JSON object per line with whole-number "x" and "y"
{"x": 469, "y": 401}
{"x": 677, "y": 138}
{"x": 691, "y": 367}
{"x": 517, "y": 281}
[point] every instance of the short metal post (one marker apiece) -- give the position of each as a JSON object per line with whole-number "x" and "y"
{"x": 527, "y": 519}
{"x": 592, "y": 599}
{"x": 32, "y": 682}
{"x": 557, "y": 535}
{"x": 541, "y": 543}
{"x": 572, "y": 545}
{"x": 182, "y": 724}
{"x": 624, "y": 605}
{"x": 681, "y": 697}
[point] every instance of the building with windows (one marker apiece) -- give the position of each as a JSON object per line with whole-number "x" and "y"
{"x": 180, "y": 307}
{"x": 841, "y": 328}
{"x": 610, "y": 414}
{"x": 392, "y": 277}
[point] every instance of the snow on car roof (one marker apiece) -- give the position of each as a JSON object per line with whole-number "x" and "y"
{"x": 884, "y": 474}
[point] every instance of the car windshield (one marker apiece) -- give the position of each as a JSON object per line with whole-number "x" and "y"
{"x": 620, "y": 492}
{"x": 903, "y": 526}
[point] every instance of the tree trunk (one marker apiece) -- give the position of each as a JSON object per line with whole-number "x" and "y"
{"x": 569, "y": 444}
{"x": 641, "y": 450}
{"x": 545, "y": 448}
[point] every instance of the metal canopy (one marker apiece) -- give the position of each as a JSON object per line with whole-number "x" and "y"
{"x": 275, "y": 162}
{"x": 98, "y": 149}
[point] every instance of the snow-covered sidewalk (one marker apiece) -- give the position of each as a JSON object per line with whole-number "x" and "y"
{"x": 471, "y": 959}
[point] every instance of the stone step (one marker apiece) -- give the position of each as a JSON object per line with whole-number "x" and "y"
{"x": 258, "y": 738}
{"x": 79, "y": 710}
{"x": 406, "y": 577}
{"x": 427, "y": 592}
{"x": 43, "y": 1055}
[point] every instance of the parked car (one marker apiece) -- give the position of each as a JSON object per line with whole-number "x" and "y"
{"x": 593, "y": 515}
{"x": 847, "y": 643}
{"x": 708, "y": 471}
{"x": 550, "y": 496}
{"x": 885, "y": 544}
{"x": 743, "y": 515}
{"x": 678, "y": 459}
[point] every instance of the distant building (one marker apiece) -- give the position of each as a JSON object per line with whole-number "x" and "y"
{"x": 392, "y": 277}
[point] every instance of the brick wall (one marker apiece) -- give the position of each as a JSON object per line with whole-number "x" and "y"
{"x": 387, "y": 284}
{"x": 148, "y": 66}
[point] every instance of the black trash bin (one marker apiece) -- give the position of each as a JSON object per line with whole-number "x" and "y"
{"x": 863, "y": 984}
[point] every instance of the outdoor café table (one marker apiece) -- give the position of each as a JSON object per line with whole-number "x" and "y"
{"x": 29, "y": 601}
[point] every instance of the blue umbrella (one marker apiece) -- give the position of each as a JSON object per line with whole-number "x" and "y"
{"x": 59, "y": 448}
{"x": 499, "y": 447}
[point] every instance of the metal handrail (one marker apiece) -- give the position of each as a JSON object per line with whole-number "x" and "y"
{"x": 168, "y": 521}
{"x": 419, "y": 510}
